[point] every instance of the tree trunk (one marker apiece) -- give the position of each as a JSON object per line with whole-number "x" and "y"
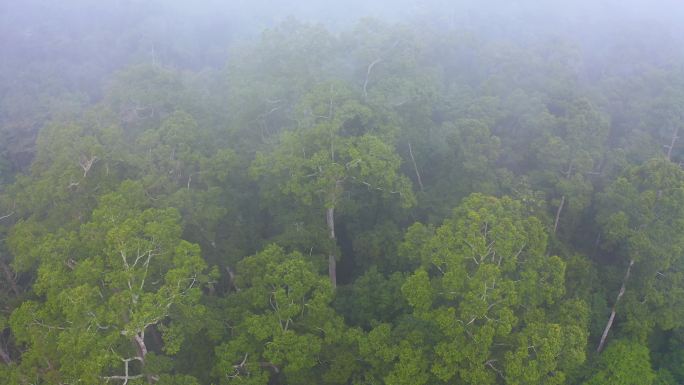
{"x": 558, "y": 213}
{"x": 673, "y": 141}
{"x": 9, "y": 277}
{"x": 415, "y": 167}
{"x": 140, "y": 344}
{"x": 142, "y": 352}
{"x": 368, "y": 72}
{"x": 332, "y": 262}
{"x": 613, "y": 311}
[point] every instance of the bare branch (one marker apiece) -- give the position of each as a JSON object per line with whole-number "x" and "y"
{"x": 125, "y": 378}
{"x": 368, "y": 72}
{"x": 490, "y": 363}
{"x": 86, "y": 164}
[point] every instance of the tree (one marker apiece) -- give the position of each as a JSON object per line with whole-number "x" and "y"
{"x": 340, "y": 144}
{"x": 281, "y": 322}
{"x": 75, "y": 163}
{"x": 372, "y": 299}
{"x": 642, "y": 218}
{"x": 570, "y": 155}
{"x": 623, "y": 363}
{"x": 180, "y": 167}
{"x": 143, "y": 95}
{"x": 265, "y": 82}
{"x": 104, "y": 288}
{"x": 490, "y": 300}
{"x": 647, "y": 113}
{"x": 476, "y": 153}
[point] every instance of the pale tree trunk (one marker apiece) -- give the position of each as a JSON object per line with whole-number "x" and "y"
{"x": 415, "y": 167}
{"x": 613, "y": 311}
{"x": 558, "y": 214}
{"x": 675, "y": 136}
{"x": 370, "y": 68}
{"x": 368, "y": 72}
{"x": 567, "y": 173}
{"x": 141, "y": 348}
{"x": 140, "y": 345}
{"x": 139, "y": 340}
{"x": 332, "y": 262}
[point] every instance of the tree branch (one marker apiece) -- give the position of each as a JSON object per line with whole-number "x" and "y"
{"x": 368, "y": 72}
{"x": 86, "y": 164}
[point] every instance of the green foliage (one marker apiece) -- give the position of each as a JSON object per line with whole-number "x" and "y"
{"x": 121, "y": 274}
{"x": 623, "y": 363}
{"x": 281, "y": 320}
{"x": 378, "y": 247}
{"x": 372, "y": 299}
{"x": 451, "y": 166}
{"x": 342, "y": 142}
{"x": 641, "y": 216}
{"x": 143, "y": 95}
{"x": 74, "y": 164}
{"x": 493, "y": 298}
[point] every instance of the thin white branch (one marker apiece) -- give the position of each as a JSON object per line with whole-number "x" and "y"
{"x": 87, "y": 164}
{"x": 368, "y": 72}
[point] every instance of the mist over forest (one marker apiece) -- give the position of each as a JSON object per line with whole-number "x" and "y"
{"x": 355, "y": 193}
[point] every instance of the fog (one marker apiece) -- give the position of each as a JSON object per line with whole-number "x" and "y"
{"x": 71, "y": 30}
{"x": 77, "y": 44}
{"x": 270, "y": 192}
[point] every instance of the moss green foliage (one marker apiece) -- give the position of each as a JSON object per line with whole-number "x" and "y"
{"x": 101, "y": 288}
{"x": 493, "y": 297}
{"x": 624, "y": 362}
{"x": 494, "y": 201}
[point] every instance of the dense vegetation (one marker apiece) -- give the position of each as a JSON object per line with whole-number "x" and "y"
{"x": 384, "y": 204}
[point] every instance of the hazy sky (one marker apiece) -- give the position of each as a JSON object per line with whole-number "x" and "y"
{"x": 68, "y": 29}
{"x": 261, "y": 13}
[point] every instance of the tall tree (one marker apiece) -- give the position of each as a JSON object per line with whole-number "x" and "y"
{"x": 104, "y": 288}
{"x": 623, "y": 363}
{"x": 490, "y": 300}
{"x": 569, "y": 154}
{"x": 282, "y": 327}
{"x": 341, "y": 144}
{"x": 641, "y": 215}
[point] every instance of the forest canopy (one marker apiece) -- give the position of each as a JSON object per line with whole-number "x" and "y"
{"x": 332, "y": 193}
